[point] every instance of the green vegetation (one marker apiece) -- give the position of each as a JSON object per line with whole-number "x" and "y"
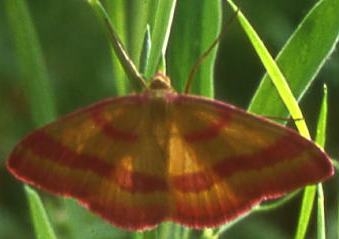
{"x": 55, "y": 57}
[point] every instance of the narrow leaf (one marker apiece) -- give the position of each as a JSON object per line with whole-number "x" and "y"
{"x": 273, "y": 70}
{"x": 302, "y": 57}
{"x": 160, "y": 20}
{"x": 31, "y": 62}
{"x": 305, "y": 211}
{"x": 321, "y": 139}
{"x": 188, "y": 43}
{"x": 38, "y": 90}
{"x": 42, "y": 227}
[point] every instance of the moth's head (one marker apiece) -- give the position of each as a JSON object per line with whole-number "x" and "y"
{"x": 160, "y": 82}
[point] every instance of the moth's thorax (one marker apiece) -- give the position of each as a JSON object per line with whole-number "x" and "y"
{"x": 160, "y": 96}
{"x": 160, "y": 82}
{"x": 160, "y": 88}
{"x": 160, "y": 113}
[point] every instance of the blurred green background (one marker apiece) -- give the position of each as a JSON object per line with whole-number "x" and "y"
{"x": 78, "y": 60}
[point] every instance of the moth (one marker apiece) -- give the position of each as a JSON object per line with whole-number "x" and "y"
{"x": 142, "y": 159}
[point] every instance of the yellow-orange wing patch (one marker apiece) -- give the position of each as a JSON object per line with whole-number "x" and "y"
{"x": 102, "y": 156}
{"x": 223, "y": 161}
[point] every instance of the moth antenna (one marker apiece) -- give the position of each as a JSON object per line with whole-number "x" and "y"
{"x": 283, "y": 119}
{"x": 119, "y": 48}
{"x": 203, "y": 56}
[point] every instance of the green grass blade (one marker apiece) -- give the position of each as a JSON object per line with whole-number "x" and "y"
{"x": 305, "y": 211}
{"x": 188, "y": 43}
{"x": 302, "y": 57}
{"x": 321, "y": 226}
{"x": 273, "y": 70}
{"x": 118, "y": 15}
{"x": 31, "y": 63}
{"x": 146, "y": 235}
{"x": 129, "y": 19}
{"x": 131, "y": 26}
{"x": 208, "y": 234}
{"x": 160, "y": 20}
{"x": 321, "y": 139}
{"x": 38, "y": 90}
{"x": 138, "y": 235}
{"x": 322, "y": 121}
{"x": 282, "y": 87}
{"x": 309, "y": 194}
{"x": 42, "y": 226}
{"x": 144, "y": 56}
{"x": 186, "y": 233}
